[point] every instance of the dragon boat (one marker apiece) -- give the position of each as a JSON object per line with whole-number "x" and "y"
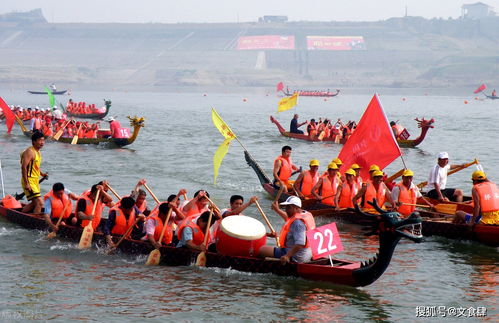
{"x": 95, "y": 116}
{"x": 424, "y": 124}
{"x": 389, "y": 227}
{"x": 45, "y": 92}
{"x": 434, "y": 223}
{"x": 492, "y": 97}
{"x": 320, "y": 94}
{"x": 135, "y": 122}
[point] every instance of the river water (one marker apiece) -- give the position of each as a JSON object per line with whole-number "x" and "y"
{"x": 52, "y": 280}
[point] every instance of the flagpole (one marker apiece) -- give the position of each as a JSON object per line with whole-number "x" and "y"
{"x": 1, "y": 176}
{"x": 403, "y": 161}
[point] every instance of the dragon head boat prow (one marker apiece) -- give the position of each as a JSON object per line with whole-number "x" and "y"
{"x": 136, "y": 121}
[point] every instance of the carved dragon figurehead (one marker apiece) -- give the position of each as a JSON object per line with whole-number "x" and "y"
{"x": 107, "y": 103}
{"x": 390, "y": 228}
{"x": 424, "y": 123}
{"x": 136, "y": 121}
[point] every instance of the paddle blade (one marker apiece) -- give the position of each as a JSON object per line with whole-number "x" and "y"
{"x": 446, "y": 208}
{"x": 75, "y": 140}
{"x": 51, "y": 235}
{"x": 201, "y": 260}
{"x": 321, "y": 136}
{"x": 154, "y": 257}
{"x": 86, "y": 237}
{"x": 58, "y": 135}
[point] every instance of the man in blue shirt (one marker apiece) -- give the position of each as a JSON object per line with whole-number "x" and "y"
{"x": 294, "y": 125}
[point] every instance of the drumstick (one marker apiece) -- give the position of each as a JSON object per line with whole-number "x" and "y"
{"x": 268, "y": 222}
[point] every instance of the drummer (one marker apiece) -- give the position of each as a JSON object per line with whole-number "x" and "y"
{"x": 293, "y": 235}
{"x": 237, "y": 205}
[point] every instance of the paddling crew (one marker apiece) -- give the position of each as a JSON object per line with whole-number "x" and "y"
{"x": 86, "y": 202}
{"x": 312, "y": 128}
{"x": 307, "y": 180}
{"x": 121, "y": 218}
{"x": 294, "y": 125}
{"x": 374, "y": 189}
{"x": 485, "y": 196}
{"x": 327, "y": 185}
{"x": 191, "y": 233}
{"x": 293, "y": 235}
{"x": 31, "y": 159}
{"x": 283, "y": 168}
{"x": 237, "y": 205}
{"x": 197, "y": 205}
{"x": 139, "y": 196}
{"x": 57, "y": 201}
{"x": 438, "y": 181}
{"x": 405, "y": 193}
{"x": 155, "y": 223}
{"x": 347, "y": 190}
{"x": 36, "y": 122}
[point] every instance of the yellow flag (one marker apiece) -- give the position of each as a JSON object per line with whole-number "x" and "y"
{"x": 219, "y": 156}
{"x": 287, "y": 103}
{"x": 221, "y": 125}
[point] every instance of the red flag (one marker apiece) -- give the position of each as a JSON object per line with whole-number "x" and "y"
{"x": 372, "y": 142}
{"x": 9, "y": 115}
{"x": 480, "y": 89}
{"x": 280, "y": 86}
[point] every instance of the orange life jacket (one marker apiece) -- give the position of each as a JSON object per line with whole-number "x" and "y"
{"x": 397, "y": 129}
{"x": 195, "y": 210}
{"x": 168, "y": 236}
{"x": 488, "y": 193}
{"x": 121, "y": 224}
{"x": 47, "y": 131}
{"x": 308, "y": 183}
{"x": 58, "y": 205}
{"x": 406, "y": 196}
{"x": 38, "y": 124}
{"x": 286, "y": 169}
{"x": 328, "y": 189}
{"x": 10, "y": 202}
{"x": 197, "y": 233}
{"x": 88, "y": 211}
{"x": 348, "y": 191}
{"x": 143, "y": 207}
{"x": 372, "y": 194}
{"x": 306, "y": 217}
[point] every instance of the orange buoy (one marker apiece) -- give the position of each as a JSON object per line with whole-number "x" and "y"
{"x": 403, "y": 99}
{"x": 465, "y": 101}
{"x": 244, "y": 100}
{"x": 204, "y": 94}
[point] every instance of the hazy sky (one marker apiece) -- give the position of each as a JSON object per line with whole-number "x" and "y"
{"x": 168, "y": 11}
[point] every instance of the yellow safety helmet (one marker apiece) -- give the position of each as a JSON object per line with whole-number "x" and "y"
{"x": 478, "y": 175}
{"x": 350, "y": 172}
{"x": 337, "y": 161}
{"x": 407, "y": 173}
{"x": 355, "y": 166}
{"x": 373, "y": 168}
{"x": 377, "y": 173}
{"x": 332, "y": 166}
{"x": 314, "y": 162}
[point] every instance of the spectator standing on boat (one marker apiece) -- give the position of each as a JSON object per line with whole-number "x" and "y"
{"x": 283, "y": 168}
{"x": 53, "y": 88}
{"x": 115, "y": 127}
{"x": 307, "y": 180}
{"x": 485, "y": 196}
{"x": 406, "y": 193}
{"x": 294, "y": 125}
{"x": 293, "y": 235}
{"x": 31, "y": 159}
{"x": 437, "y": 181}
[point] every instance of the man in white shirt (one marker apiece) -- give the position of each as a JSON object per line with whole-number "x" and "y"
{"x": 438, "y": 181}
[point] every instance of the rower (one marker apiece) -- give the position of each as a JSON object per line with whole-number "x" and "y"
{"x": 121, "y": 218}
{"x": 406, "y": 193}
{"x": 307, "y": 180}
{"x": 36, "y": 121}
{"x": 327, "y": 185}
{"x": 312, "y": 128}
{"x": 154, "y": 226}
{"x": 283, "y": 168}
{"x": 293, "y": 235}
{"x": 358, "y": 178}
{"x": 191, "y": 233}
{"x": 397, "y": 129}
{"x": 85, "y": 204}
{"x": 485, "y": 196}
{"x": 31, "y": 159}
{"x": 140, "y": 198}
{"x": 374, "y": 189}
{"x": 237, "y": 205}
{"x": 438, "y": 181}
{"x": 56, "y": 201}
{"x": 347, "y": 190}
{"x": 198, "y": 204}
{"x": 494, "y": 93}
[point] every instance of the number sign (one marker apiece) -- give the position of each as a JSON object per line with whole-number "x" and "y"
{"x": 324, "y": 240}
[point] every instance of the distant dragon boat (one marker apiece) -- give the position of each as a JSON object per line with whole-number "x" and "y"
{"x": 322, "y": 94}
{"x": 424, "y": 124}
{"x": 45, "y": 92}
{"x": 95, "y": 116}
{"x": 135, "y": 122}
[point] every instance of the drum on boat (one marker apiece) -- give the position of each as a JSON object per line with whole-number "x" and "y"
{"x": 240, "y": 235}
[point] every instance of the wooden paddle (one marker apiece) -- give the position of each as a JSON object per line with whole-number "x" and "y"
{"x": 213, "y": 204}
{"x": 114, "y": 192}
{"x": 446, "y": 208}
{"x": 394, "y": 176}
{"x": 155, "y": 255}
{"x": 123, "y": 237}
{"x": 75, "y": 138}
{"x": 61, "y": 131}
{"x": 88, "y": 231}
{"x": 201, "y": 259}
{"x": 268, "y": 223}
{"x": 455, "y": 170}
{"x": 152, "y": 194}
{"x": 52, "y": 234}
